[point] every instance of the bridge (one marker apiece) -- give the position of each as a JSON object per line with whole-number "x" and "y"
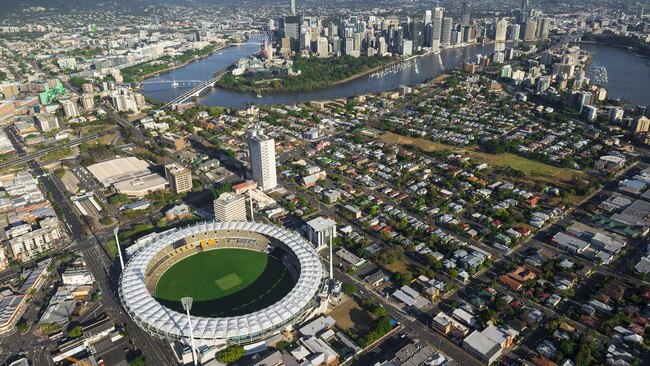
{"x": 195, "y": 92}
{"x": 568, "y": 37}
{"x": 166, "y": 81}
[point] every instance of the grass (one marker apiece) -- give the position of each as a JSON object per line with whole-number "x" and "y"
{"x": 399, "y": 266}
{"x": 225, "y": 282}
{"x": 111, "y": 246}
{"x": 351, "y": 317}
{"x": 533, "y": 169}
{"x": 228, "y": 281}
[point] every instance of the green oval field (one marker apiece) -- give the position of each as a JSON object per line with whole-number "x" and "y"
{"x": 225, "y": 282}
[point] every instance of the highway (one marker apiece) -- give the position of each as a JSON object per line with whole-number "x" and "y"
{"x": 24, "y": 157}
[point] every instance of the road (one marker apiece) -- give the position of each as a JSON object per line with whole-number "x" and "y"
{"x": 24, "y": 157}
{"x": 103, "y": 268}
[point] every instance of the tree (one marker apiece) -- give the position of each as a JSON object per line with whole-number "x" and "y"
{"x": 230, "y": 354}
{"x": 349, "y": 289}
{"x": 75, "y": 332}
{"x": 380, "y": 311}
{"x": 22, "y": 326}
{"x": 118, "y": 199}
{"x": 141, "y": 360}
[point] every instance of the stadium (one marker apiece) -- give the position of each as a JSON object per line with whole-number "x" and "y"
{"x": 249, "y": 281}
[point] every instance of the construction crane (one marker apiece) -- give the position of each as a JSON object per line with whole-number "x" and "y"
{"x": 76, "y": 362}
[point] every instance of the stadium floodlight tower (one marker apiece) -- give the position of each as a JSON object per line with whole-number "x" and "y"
{"x": 187, "y": 305}
{"x": 117, "y": 242}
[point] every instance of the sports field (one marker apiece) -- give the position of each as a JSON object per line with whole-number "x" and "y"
{"x": 225, "y": 282}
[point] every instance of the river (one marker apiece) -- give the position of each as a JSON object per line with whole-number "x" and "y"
{"x": 628, "y": 76}
{"x": 415, "y": 72}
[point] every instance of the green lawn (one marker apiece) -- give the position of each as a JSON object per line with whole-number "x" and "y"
{"x": 534, "y": 170}
{"x": 225, "y": 282}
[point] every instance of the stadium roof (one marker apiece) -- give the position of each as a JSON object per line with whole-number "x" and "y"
{"x": 156, "y": 318}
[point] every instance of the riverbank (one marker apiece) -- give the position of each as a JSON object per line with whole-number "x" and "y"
{"x": 184, "y": 63}
{"x": 315, "y": 74}
{"x": 629, "y": 44}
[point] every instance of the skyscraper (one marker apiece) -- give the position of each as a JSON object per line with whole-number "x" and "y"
{"x": 544, "y": 26}
{"x": 530, "y": 30}
{"x": 464, "y": 13}
{"x": 427, "y": 17}
{"x": 292, "y": 5}
{"x": 261, "y": 151}
{"x": 447, "y": 25}
{"x": 501, "y": 28}
{"x": 515, "y": 30}
{"x": 292, "y": 27}
{"x": 416, "y": 33}
{"x": 524, "y": 11}
{"x": 438, "y": 13}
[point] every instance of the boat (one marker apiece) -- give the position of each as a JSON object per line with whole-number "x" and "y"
{"x": 259, "y": 95}
{"x": 175, "y": 83}
{"x": 599, "y": 75}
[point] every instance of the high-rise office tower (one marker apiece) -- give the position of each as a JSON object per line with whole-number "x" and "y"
{"x": 515, "y": 30}
{"x": 322, "y": 47}
{"x": 305, "y": 39}
{"x": 447, "y": 25}
{"x": 464, "y": 13}
{"x": 438, "y": 13}
{"x": 544, "y": 26}
{"x": 416, "y": 33}
{"x": 530, "y": 30}
{"x": 179, "y": 177}
{"x": 230, "y": 207}
{"x": 524, "y": 11}
{"x": 427, "y": 17}
{"x": 261, "y": 151}
{"x": 428, "y": 34}
{"x": 292, "y": 27}
{"x": 501, "y": 29}
{"x": 292, "y": 7}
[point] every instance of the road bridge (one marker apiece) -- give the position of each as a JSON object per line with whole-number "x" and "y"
{"x": 196, "y": 91}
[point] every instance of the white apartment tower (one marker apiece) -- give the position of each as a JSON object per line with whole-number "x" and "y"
{"x": 501, "y": 30}
{"x": 69, "y": 108}
{"x": 230, "y": 207}
{"x": 261, "y": 151}
{"x": 179, "y": 177}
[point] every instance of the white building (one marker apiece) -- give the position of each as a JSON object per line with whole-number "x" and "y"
{"x": 46, "y": 121}
{"x": 261, "y": 150}
{"x": 179, "y": 177}
{"x": 230, "y": 207}
{"x": 319, "y": 231}
{"x": 88, "y": 101}
{"x": 69, "y": 108}
{"x": 501, "y": 30}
